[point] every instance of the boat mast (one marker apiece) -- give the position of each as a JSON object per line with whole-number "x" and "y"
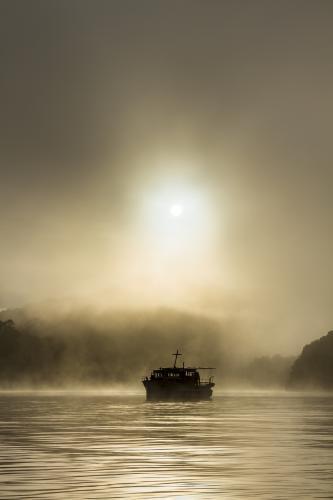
{"x": 176, "y": 354}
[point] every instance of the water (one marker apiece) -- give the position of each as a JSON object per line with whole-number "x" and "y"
{"x": 94, "y": 446}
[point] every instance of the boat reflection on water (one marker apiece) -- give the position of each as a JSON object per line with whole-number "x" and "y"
{"x": 178, "y": 383}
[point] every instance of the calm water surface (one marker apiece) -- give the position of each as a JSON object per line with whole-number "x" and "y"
{"x": 92, "y": 446}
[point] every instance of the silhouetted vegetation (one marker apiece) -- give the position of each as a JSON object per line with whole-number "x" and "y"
{"x": 102, "y": 350}
{"x": 83, "y": 347}
{"x": 314, "y": 367}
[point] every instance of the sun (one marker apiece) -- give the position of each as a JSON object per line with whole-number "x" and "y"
{"x": 176, "y": 210}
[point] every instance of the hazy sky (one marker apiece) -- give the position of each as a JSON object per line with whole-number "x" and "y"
{"x": 113, "y": 111}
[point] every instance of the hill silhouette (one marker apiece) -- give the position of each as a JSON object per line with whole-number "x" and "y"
{"x": 314, "y": 367}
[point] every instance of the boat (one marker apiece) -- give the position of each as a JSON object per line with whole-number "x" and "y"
{"x": 178, "y": 383}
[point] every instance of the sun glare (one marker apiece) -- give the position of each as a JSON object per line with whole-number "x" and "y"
{"x": 176, "y": 210}
{"x": 177, "y": 221}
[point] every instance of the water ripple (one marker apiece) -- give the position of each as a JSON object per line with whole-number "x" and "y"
{"x": 238, "y": 446}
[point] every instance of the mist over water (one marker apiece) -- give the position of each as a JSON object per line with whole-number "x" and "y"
{"x": 86, "y": 347}
{"x": 101, "y": 445}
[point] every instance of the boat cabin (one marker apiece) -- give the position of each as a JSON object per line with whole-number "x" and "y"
{"x": 176, "y": 373}
{"x": 178, "y": 383}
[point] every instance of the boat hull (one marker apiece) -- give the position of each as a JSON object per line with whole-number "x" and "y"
{"x": 159, "y": 391}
